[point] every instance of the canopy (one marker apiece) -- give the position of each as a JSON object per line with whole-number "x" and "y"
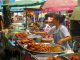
{"x": 17, "y": 9}
{"x": 59, "y": 5}
{"x": 76, "y": 14}
{"x": 21, "y": 5}
{"x": 20, "y": 9}
{"x": 24, "y": 3}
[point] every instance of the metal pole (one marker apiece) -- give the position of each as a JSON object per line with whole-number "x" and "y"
{"x": 6, "y": 14}
{"x": 6, "y": 18}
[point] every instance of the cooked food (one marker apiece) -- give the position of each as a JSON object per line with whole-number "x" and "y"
{"x": 26, "y": 41}
{"x": 41, "y": 47}
{"x": 21, "y": 35}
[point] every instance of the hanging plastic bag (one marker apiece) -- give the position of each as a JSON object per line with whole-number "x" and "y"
{"x": 47, "y": 28}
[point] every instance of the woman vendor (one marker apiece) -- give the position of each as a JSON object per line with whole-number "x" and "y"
{"x": 60, "y": 33}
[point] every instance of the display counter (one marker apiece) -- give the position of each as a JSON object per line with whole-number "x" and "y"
{"x": 44, "y": 56}
{"x": 38, "y": 52}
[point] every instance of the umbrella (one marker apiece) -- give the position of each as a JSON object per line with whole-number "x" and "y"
{"x": 59, "y": 5}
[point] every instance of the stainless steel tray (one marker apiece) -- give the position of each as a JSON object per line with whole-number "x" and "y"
{"x": 36, "y": 52}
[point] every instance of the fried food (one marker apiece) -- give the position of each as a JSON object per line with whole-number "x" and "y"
{"x": 26, "y": 41}
{"x": 41, "y": 47}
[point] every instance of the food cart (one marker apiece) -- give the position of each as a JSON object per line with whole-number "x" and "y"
{"x": 32, "y": 47}
{"x": 29, "y": 53}
{"x": 37, "y": 50}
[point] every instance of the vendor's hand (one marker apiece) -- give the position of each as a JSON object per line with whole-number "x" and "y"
{"x": 60, "y": 42}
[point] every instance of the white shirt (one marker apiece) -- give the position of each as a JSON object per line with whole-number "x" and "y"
{"x": 59, "y": 33}
{"x": 62, "y": 29}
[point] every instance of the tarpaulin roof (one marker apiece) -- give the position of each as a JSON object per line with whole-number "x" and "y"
{"x": 16, "y": 9}
{"x": 59, "y": 5}
{"x": 24, "y": 3}
{"x": 20, "y": 5}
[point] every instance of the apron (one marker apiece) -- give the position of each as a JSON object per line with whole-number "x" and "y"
{"x": 57, "y": 36}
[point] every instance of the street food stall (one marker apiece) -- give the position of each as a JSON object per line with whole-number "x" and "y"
{"x": 31, "y": 49}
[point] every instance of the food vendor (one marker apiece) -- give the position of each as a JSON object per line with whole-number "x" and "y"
{"x": 60, "y": 33}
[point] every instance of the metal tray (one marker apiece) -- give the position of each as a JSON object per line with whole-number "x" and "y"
{"x": 36, "y": 52}
{"x": 44, "y": 52}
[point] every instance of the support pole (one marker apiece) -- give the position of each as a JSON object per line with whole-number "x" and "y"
{"x": 6, "y": 14}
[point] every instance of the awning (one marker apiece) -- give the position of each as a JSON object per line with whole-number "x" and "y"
{"x": 59, "y": 5}
{"x": 23, "y": 3}
{"x": 17, "y": 9}
{"x": 76, "y": 14}
{"x": 20, "y": 9}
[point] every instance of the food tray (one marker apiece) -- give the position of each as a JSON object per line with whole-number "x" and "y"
{"x": 36, "y": 52}
{"x": 50, "y": 53}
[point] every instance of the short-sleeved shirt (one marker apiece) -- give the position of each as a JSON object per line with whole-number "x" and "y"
{"x": 59, "y": 33}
